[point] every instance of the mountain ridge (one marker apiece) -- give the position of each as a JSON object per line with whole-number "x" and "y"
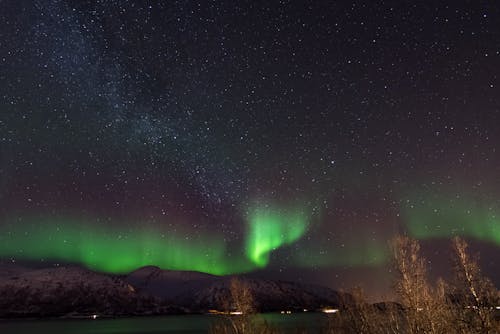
{"x": 76, "y": 291}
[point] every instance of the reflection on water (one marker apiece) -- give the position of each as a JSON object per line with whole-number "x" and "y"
{"x": 186, "y": 324}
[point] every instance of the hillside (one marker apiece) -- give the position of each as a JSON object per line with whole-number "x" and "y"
{"x": 74, "y": 291}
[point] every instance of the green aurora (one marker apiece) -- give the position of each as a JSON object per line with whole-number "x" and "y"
{"x": 114, "y": 251}
{"x": 270, "y": 229}
{"x": 441, "y": 217}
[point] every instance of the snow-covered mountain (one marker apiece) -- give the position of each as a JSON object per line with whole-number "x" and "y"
{"x": 168, "y": 284}
{"x": 198, "y": 291}
{"x": 75, "y": 291}
{"x": 68, "y": 291}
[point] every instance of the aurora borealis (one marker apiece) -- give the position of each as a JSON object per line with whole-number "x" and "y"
{"x": 438, "y": 217}
{"x": 270, "y": 229}
{"x": 122, "y": 251}
{"x": 78, "y": 242}
{"x": 287, "y": 140}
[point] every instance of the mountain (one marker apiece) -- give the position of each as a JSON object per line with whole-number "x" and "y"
{"x": 67, "y": 291}
{"x": 168, "y": 284}
{"x": 201, "y": 292}
{"x": 75, "y": 291}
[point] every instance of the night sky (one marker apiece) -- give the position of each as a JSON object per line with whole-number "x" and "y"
{"x": 286, "y": 139}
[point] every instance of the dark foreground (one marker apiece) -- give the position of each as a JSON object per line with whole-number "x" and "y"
{"x": 186, "y": 324}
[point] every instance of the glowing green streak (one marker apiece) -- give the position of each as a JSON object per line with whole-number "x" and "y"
{"x": 270, "y": 229}
{"x": 437, "y": 217}
{"x": 112, "y": 250}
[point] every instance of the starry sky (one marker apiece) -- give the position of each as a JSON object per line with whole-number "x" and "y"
{"x": 285, "y": 139}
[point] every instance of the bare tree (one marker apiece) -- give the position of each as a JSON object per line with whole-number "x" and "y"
{"x": 411, "y": 282}
{"x": 464, "y": 306}
{"x": 426, "y": 307}
{"x": 241, "y": 297}
{"x": 359, "y": 316}
{"x": 474, "y": 294}
{"x": 241, "y": 319}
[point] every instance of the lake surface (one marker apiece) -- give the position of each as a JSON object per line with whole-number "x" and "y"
{"x": 186, "y": 324}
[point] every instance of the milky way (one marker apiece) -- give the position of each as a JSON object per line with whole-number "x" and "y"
{"x": 288, "y": 139}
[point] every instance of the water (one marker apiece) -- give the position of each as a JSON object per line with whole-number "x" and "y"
{"x": 185, "y": 324}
